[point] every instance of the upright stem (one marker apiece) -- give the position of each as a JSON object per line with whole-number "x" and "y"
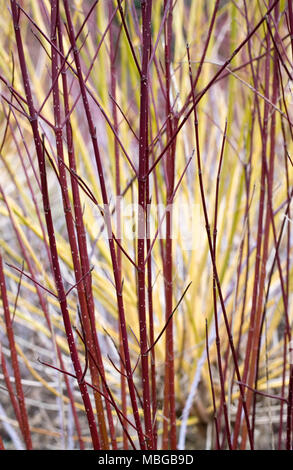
{"x": 113, "y": 84}
{"x": 117, "y": 280}
{"x": 218, "y": 341}
{"x": 50, "y": 229}
{"x": 22, "y": 415}
{"x": 69, "y": 219}
{"x": 81, "y": 263}
{"x": 260, "y": 263}
{"x": 146, "y": 6}
{"x": 169, "y": 427}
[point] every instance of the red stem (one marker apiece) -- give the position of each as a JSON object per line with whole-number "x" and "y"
{"x": 117, "y": 280}
{"x": 146, "y": 7}
{"x": 216, "y": 421}
{"x": 50, "y": 227}
{"x": 218, "y": 341}
{"x": 22, "y": 414}
{"x": 113, "y": 73}
{"x": 10, "y": 390}
{"x": 169, "y": 426}
{"x": 81, "y": 264}
{"x": 68, "y": 216}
